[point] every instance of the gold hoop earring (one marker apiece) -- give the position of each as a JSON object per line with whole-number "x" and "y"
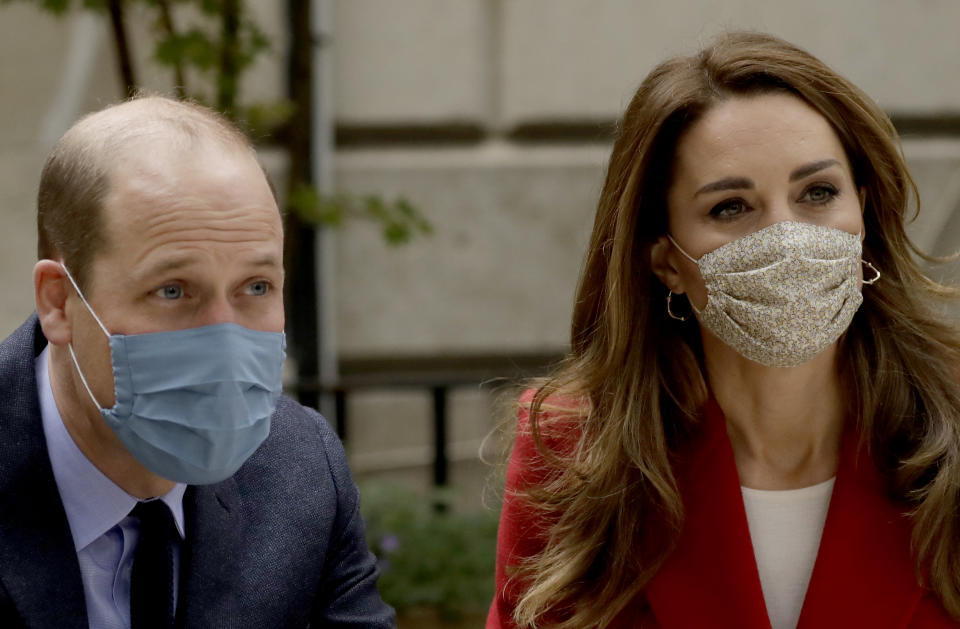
{"x": 872, "y": 268}
{"x": 670, "y": 312}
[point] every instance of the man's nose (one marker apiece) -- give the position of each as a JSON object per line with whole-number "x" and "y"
{"x": 218, "y": 310}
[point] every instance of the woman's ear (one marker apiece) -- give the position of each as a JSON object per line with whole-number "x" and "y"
{"x": 663, "y": 262}
{"x": 50, "y": 288}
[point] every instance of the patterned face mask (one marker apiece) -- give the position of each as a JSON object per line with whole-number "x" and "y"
{"x": 783, "y": 294}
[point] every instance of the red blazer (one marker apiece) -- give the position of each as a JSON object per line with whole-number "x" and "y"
{"x": 864, "y": 575}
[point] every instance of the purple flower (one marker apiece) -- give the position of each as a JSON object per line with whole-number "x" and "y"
{"x": 389, "y": 543}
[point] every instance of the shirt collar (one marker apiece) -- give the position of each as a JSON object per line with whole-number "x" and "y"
{"x": 94, "y": 504}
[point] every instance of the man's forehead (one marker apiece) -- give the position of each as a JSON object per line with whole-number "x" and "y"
{"x": 194, "y": 254}
{"x": 159, "y": 116}
{"x": 163, "y": 148}
{"x": 163, "y": 169}
{"x": 165, "y": 196}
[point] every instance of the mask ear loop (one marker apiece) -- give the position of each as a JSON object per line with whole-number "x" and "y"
{"x": 84, "y": 300}
{"x": 680, "y": 249}
{"x": 73, "y": 355}
{"x": 82, "y": 378}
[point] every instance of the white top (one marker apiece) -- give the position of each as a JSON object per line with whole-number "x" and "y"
{"x": 785, "y": 528}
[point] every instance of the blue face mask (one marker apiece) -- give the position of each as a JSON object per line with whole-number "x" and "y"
{"x": 192, "y": 405}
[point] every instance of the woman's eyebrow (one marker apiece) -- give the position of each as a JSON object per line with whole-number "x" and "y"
{"x": 742, "y": 183}
{"x": 812, "y": 167}
{"x": 730, "y": 183}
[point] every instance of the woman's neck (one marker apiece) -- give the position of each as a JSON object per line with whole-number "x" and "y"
{"x": 785, "y": 423}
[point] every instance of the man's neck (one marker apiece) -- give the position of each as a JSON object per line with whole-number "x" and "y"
{"x": 92, "y": 435}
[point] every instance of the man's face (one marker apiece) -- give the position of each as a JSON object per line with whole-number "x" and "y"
{"x": 193, "y": 239}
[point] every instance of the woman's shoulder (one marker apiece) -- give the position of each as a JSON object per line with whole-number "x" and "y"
{"x": 551, "y": 408}
{"x": 556, "y": 418}
{"x": 547, "y": 433}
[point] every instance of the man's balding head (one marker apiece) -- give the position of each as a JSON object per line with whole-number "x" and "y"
{"x": 77, "y": 175}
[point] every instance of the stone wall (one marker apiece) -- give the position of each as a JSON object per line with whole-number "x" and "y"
{"x": 492, "y": 116}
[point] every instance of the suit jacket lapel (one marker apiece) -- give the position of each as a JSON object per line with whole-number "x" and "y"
{"x": 711, "y": 578}
{"x": 213, "y": 561}
{"x": 38, "y": 562}
{"x": 864, "y": 575}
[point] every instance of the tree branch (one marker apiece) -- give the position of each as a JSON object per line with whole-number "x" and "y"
{"x": 166, "y": 22}
{"x": 124, "y": 59}
{"x": 301, "y": 284}
{"x": 229, "y": 68}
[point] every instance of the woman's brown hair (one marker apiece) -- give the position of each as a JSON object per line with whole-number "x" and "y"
{"x": 633, "y": 383}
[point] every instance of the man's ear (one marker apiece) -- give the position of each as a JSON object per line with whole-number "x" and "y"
{"x": 51, "y": 289}
{"x": 664, "y": 266}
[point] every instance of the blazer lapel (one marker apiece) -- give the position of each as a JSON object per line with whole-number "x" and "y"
{"x": 38, "y": 561}
{"x": 710, "y": 579}
{"x": 864, "y": 575}
{"x": 212, "y": 559}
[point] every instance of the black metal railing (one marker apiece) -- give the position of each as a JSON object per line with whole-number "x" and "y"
{"x": 438, "y": 376}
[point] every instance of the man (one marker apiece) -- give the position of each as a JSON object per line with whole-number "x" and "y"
{"x": 150, "y": 472}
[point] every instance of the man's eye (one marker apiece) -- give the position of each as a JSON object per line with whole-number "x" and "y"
{"x": 259, "y": 288}
{"x": 170, "y": 291}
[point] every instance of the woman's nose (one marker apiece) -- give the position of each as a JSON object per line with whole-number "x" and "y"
{"x": 779, "y": 212}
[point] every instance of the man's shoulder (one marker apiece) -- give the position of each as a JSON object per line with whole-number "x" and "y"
{"x": 289, "y": 410}
{"x": 293, "y": 424}
{"x": 18, "y": 350}
{"x": 302, "y": 451}
{"x": 20, "y": 411}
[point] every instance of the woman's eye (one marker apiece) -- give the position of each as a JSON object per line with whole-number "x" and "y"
{"x": 728, "y": 209}
{"x": 820, "y": 194}
{"x": 170, "y": 291}
{"x": 258, "y": 288}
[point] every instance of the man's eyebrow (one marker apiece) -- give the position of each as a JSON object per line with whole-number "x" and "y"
{"x": 171, "y": 264}
{"x": 730, "y": 183}
{"x": 175, "y": 264}
{"x": 808, "y": 169}
{"x": 267, "y": 260}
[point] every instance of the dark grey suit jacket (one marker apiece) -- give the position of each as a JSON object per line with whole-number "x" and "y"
{"x": 280, "y": 544}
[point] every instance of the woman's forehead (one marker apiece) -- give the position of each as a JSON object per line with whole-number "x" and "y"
{"x": 767, "y": 132}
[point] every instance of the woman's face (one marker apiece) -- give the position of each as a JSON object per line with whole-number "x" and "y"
{"x": 750, "y": 162}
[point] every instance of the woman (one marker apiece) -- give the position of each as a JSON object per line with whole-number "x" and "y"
{"x": 759, "y": 421}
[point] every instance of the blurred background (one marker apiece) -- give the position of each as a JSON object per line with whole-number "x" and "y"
{"x": 439, "y": 161}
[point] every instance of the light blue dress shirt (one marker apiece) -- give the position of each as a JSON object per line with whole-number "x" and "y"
{"x": 98, "y": 513}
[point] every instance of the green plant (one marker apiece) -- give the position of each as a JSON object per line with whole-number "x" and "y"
{"x": 217, "y": 44}
{"x": 398, "y": 220}
{"x": 220, "y": 42}
{"x": 430, "y": 554}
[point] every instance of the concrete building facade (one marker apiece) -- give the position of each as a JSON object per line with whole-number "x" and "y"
{"x": 493, "y": 118}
